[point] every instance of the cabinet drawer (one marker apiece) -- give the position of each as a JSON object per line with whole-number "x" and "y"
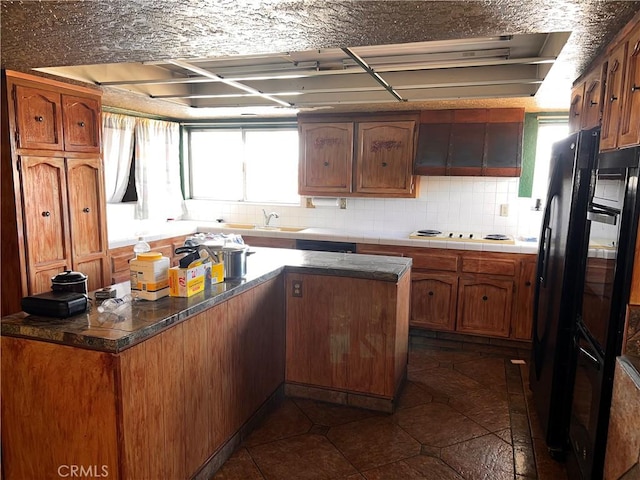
{"x": 120, "y": 262}
{"x": 491, "y": 266}
{"x": 435, "y": 261}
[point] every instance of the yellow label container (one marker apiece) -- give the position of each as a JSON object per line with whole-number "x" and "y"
{"x": 185, "y": 282}
{"x": 149, "y": 274}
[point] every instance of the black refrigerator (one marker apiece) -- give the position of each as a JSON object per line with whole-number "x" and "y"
{"x": 605, "y": 284}
{"x": 561, "y": 248}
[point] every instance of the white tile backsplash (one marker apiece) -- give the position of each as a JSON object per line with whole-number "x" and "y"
{"x": 461, "y": 204}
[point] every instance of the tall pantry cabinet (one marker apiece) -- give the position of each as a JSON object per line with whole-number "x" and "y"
{"x": 53, "y": 201}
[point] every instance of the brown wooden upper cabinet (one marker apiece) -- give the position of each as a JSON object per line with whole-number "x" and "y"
{"x": 357, "y": 155}
{"x": 472, "y": 142}
{"x": 575, "y": 110}
{"x": 612, "y": 108}
{"x": 53, "y": 200}
{"x": 592, "y": 105}
{"x": 629, "y": 130}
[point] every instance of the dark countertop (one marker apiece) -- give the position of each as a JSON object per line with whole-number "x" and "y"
{"x": 114, "y": 333}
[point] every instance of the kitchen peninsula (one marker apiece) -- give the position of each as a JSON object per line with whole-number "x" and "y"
{"x": 169, "y": 388}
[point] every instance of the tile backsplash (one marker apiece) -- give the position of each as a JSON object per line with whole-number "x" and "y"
{"x": 450, "y": 204}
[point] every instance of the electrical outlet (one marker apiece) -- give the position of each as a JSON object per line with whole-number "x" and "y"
{"x": 297, "y": 288}
{"x": 504, "y": 210}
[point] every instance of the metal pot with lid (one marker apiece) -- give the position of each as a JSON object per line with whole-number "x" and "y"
{"x": 235, "y": 261}
{"x": 70, "y": 281}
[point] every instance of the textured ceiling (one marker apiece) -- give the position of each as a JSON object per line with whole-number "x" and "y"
{"x": 57, "y": 33}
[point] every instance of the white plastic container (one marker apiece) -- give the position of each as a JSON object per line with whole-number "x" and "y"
{"x": 149, "y": 276}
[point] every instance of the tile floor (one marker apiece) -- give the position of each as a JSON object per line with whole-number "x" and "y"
{"x": 462, "y": 415}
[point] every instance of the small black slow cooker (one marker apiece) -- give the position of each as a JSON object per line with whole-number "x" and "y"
{"x": 70, "y": 281}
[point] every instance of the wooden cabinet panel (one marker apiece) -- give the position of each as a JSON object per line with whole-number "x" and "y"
{"x": 433, "y": 300}
{"x": 629, "y": 133}
{"x": 592, "y": 104}
{"x": 503, "y": 149}
{"x": 357, "y": 155}
{"x": 434, "y": 260}
{"x": 350, "y": 343}
{"x": 490, "y": 265}
{"x": 326, "y": 158}
{"x": 58, "y": 408}
{"x": 96, "y": 269}
{"x": 40, "y": 279}
{"x": 45, "y": 220}
{"x": 272, "y": 242}
{"x": 484, "y": 306}
{"x": 385, "y": 156}
{"x": 523, "y": 314}
{"x": 82, "y": 126}
{"x": 86, "y": 210}
{"x": 38, "y": 118}
{"x": 613, "y": 99}
{"x": 470, "y": 142}
{"x": 575, "y": 110}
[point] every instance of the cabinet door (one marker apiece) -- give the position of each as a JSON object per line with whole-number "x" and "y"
{"x": 385, "y": 157}
{"x": 82, "y": 126}
{"x": 87, "y": 220}
{"x": 592, "y": 105}
{"x": 433, "y": 149}
{"x": 433, "y": 300}
{"x": 38, "y": 118}
{"x": 466, "y": 148}
{"x": 523, "y": 316}
{"x": 484, "y": 306}
{"x": 612, "y": 110}
{"x": 575, "y": 110}
{"x": 44, "y": 192}
{"x": 503, "y": 149}
{"x": 326, "y": 158}
{"x": 630, "y": 122}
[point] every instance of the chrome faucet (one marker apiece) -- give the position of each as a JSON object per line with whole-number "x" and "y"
{"x": 268, "y": 217}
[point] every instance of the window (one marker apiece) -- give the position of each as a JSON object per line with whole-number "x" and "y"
{"x": 548, "y": 134}
{"x": 244, "y": 164}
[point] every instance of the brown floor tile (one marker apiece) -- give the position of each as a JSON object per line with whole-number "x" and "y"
{"x": 486, "y": 457}
{"x": 286, "y": 421}
{"x": 488, "y": 371}
{"x": 413, "y": 395}
{"x": 329, "y": 414}
{"x": 505, "y": 435}
{"x": 425, "y": 357}
{"x": 437, "y": 425}
{"x": 489, "y": 408}
{"x": 302, "y": 457}
{"x": 524, "y": 461}
{"x": 547, "y": 468}
{"x": 240, "y": 466}
{"x": 419, "y": 467}
{"x": 373, "y": 442}
{"x": 442, "y": 381}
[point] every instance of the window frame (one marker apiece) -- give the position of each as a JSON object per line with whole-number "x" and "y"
{"x": 187, "y": 129}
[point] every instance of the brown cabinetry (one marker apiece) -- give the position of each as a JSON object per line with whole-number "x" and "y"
{"x": 160, "y": 409}
{"x": 355, "y": 343}
{"x": 612, "y": 108}
{"x": 53, "y": 206}
{"x": 575, "y": 109}
{"x": 629, "y": 130}
{"x": 357, "y": 155}
{"x": 488, "y": 294}
{"x": 592, "y": 107}
{"x": 470, "y": 142}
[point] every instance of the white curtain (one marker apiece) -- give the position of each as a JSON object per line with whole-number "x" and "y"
{"x": 117, "y": 140}
{"x": 158, "y": 170}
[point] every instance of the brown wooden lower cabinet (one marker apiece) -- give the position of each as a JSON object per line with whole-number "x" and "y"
{"x": 159, "y": 409}
{"x": 448, "y": 288}
{"x": 272, "y": 242}
{"x": 433, "y": 300}
{"x": 484, "y": 306}
{"x": 347, "y": 334}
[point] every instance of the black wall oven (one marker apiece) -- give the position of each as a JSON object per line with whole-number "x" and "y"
{"x": 612, "y": 222}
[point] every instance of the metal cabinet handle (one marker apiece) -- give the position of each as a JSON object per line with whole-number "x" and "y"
{"x": 384, "y": 164}
{"x": 39, "y": 118}
{"x": 593, "y": 104}
{"x": 46, "y": 214}
{"x": 81, "y": 124}
{"x": 634, "y": 88}
{"x": 527, "y": 283}
{"x": 431, "y": 294}
{"x": 326, "y": 164}
{"x": 613, "y": 98}
{"x": 86, "y": 210}
{"x": 485, "y": 298}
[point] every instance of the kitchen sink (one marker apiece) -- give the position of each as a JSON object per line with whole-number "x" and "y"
{"x": 250, "y": 226}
